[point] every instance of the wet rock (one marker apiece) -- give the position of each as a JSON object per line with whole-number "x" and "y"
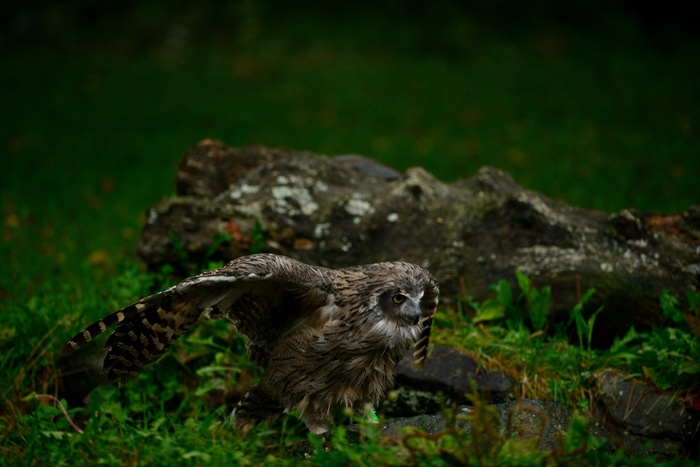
{"x": 447, "y": 371}
{"x": 546, "y": 420}
{"x": 406, "y": 401}
{"x": 350, "y": 210}
{"x": 305, "y": 450}
{"x": 640, "y": 413}
{"x": 529, "y": 418}
{"x": 368, "y": 166}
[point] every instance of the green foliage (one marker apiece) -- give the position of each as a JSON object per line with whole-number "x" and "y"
{"x": 666, "y": 356}
{"x": 190, "y": 266}
{"x": 257, "y": 236}
{"x": 503, "y": 306}
{"x": 690, "y": 319}
{"x": 173, "y": 411}
{"x": 584, "y": 328}
{"x": 115, "y": 435}
{"x": 219, "y": 239}
{"x": 669, "y": 304}
{"x": 537, "y": 301}
{"x": 694, "y": 301}
{"x": 500, "y": 307}
{"x": 669, "y": 356}
{"x": 182, "y": 255}
{"x": 70, "y": 220}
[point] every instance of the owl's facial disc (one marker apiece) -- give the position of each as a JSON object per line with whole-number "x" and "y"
{"x": 401, "y": 307}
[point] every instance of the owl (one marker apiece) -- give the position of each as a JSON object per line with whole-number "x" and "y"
{"x": 324, "y": 337}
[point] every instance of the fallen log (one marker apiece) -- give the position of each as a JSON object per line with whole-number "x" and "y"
{"x": 350, "y": 210}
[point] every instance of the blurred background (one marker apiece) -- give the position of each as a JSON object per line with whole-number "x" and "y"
{"x": 594, "y": 103}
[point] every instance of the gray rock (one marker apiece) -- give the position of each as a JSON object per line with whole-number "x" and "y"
{"x": 406, "y": 401}
{"x": 546, "y": 420}
{"x": 450, "y": 372}
{"x": 368, "y": 166}
{"x": 637, "y": 411}
{"x": 348, "y": 211}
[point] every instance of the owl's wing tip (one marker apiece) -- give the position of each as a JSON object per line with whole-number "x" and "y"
{"x": 67, "y": 349}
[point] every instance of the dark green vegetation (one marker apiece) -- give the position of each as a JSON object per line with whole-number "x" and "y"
{"x": 96, "y": 110}
{"x": 523, "y": 340}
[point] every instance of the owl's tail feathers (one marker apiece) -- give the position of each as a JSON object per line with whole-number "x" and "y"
{"x": 256, "y": 406}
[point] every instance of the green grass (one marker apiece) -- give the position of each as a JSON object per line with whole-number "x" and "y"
{"x": 177, "y": 412}
{"x": 514, "y": 334}
{"x": 90, "y": 137}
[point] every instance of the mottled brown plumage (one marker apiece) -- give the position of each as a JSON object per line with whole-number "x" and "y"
{"x": 325, "y": 337}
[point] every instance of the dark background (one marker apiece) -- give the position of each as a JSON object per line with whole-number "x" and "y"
{"x": 592, "y": 103}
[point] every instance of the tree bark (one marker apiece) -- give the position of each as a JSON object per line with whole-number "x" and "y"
{"x": 350, "y": 210}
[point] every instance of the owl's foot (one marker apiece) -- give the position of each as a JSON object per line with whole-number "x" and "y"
{"x": 316, "y": 426}
{"x": 366, "y": 410}
{"x": 256, "y": 406}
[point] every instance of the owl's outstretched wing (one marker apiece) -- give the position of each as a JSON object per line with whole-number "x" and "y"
{"x": 429, "y": 302}
{"x": 420, "y": 348}
{"x": 264, "y": 295}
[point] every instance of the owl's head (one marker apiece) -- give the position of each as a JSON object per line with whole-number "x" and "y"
{"x": 409, "y": 297}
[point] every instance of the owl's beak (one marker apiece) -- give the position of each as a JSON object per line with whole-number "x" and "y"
{"x": 412, "y": 312}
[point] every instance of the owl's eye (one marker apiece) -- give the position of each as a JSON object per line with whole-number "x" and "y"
{"x": 398, "y": 298}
